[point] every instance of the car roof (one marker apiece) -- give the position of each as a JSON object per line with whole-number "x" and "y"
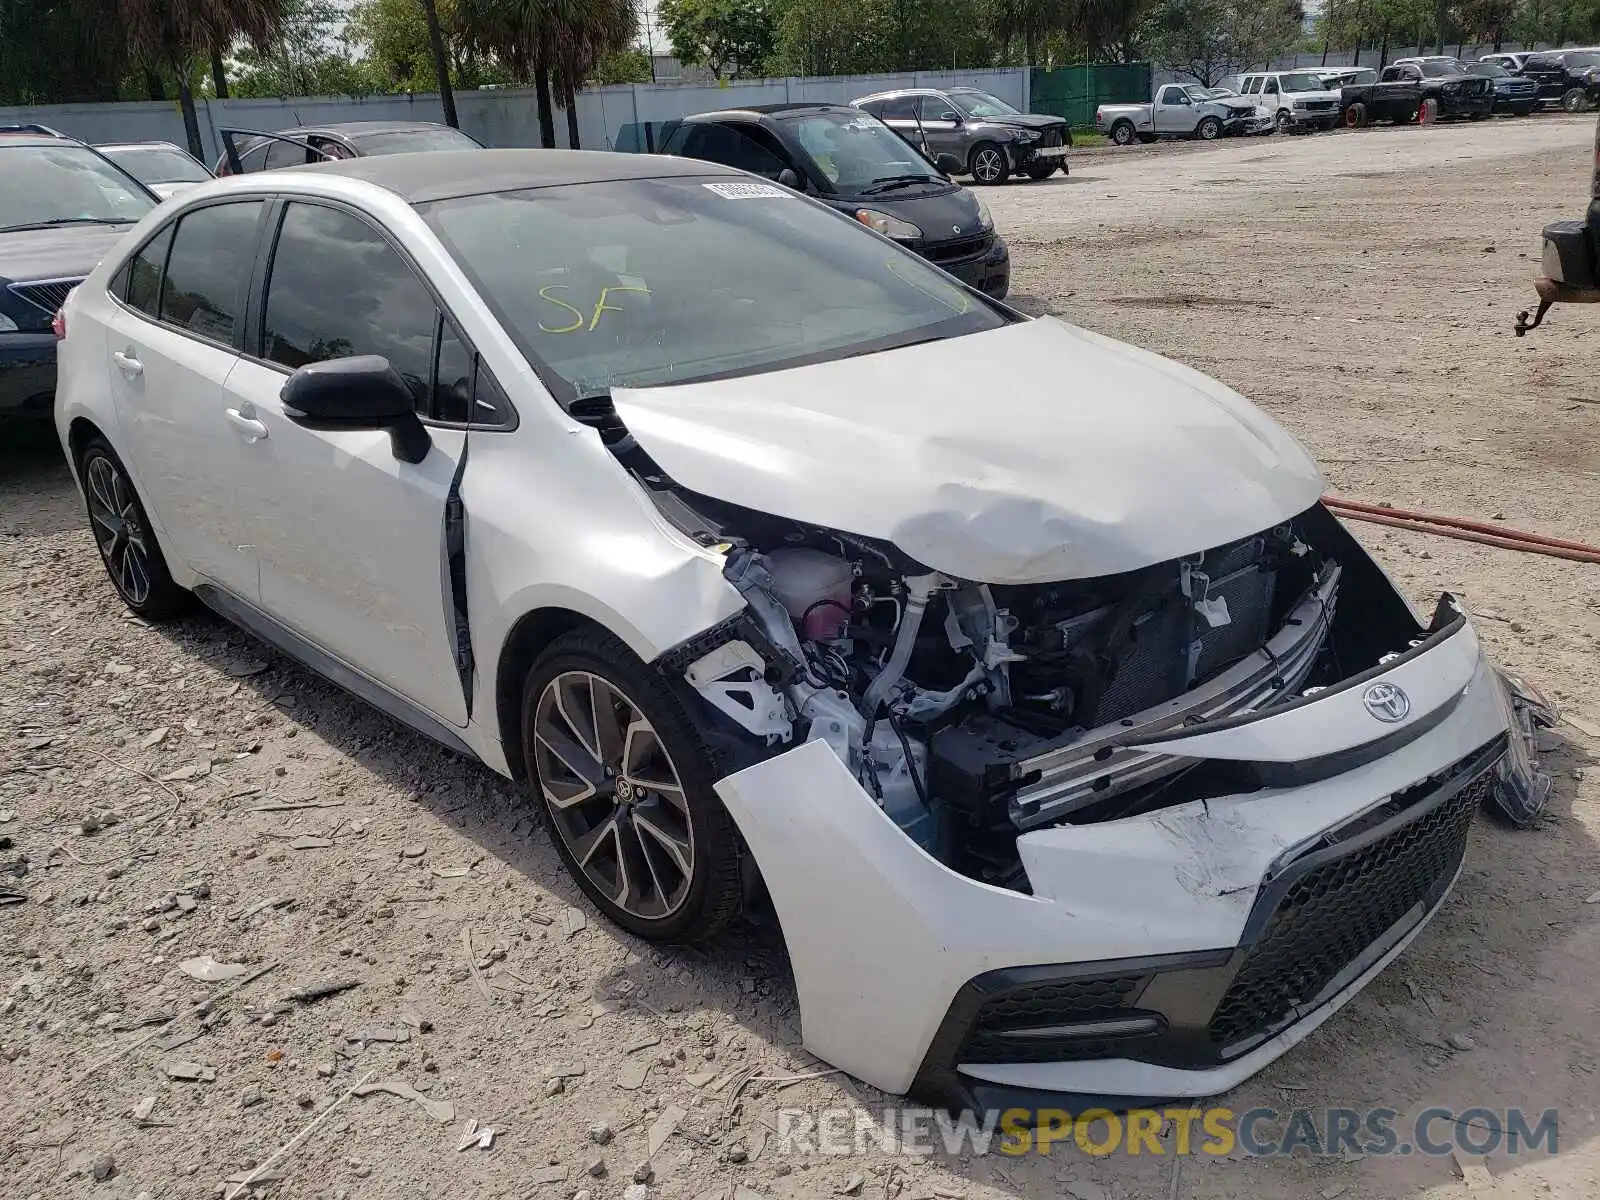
{"x": 773, "y": 110}
{"x": 442, "y": 174}
{"x": 356, "y": 128}
{"x": 150, "y": 145}
{"x": 34, "y": 139}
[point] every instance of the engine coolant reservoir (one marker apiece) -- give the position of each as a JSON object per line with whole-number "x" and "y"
{"x": 814, "y": 587}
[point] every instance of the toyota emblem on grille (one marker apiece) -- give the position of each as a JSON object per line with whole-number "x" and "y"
{"x": 1386, "y": 702}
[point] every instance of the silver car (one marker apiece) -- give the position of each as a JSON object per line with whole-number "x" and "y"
{"x": 970, "y": 132}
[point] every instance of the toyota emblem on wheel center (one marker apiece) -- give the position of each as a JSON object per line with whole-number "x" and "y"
{"x": 1386, "y": 702}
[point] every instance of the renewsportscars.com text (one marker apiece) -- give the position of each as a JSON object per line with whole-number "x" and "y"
{"x": 1212, "y": 1131}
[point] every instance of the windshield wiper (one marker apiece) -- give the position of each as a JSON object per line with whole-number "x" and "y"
{"x": 890, "y": 182}
{"x": 54, "y": 221}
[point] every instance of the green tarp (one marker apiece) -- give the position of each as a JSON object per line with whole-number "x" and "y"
{"x": 1073, "y": 92}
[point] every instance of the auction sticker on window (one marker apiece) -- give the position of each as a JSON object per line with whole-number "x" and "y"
{"x": 748, "y": 191}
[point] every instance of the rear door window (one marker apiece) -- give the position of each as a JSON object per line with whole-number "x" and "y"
{"x": 142, "y": 276}
{"x": 212, "y": 252}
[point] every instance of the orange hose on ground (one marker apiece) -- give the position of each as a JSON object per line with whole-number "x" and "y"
{"x": 1500, "y": 531}
{"x": 1467, "y": 535}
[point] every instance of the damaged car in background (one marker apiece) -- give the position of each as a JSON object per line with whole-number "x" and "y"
{"x": 1078, "y": 748}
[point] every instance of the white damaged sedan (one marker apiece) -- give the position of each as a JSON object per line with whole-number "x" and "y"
{"x": 1077, "y": 747}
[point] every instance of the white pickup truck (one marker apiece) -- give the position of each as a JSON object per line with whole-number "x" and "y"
{"x": 1183, "y": 110}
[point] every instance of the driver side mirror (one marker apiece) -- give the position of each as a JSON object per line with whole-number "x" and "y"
{"x": 789, "y": 179}
{"x": 363, "y": 392}
{"x": 950, "y": 116}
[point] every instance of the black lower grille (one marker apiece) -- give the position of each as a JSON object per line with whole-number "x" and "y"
{"x": 1336, "y": 910}
{"x": 47, "y": 296}
{"x": 1039, "y": 1005}
{"x": 957, "y": 249}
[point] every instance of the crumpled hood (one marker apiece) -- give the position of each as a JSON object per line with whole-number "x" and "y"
{"x": 1022, "y": 121}
{"x": 1028, "y": 454}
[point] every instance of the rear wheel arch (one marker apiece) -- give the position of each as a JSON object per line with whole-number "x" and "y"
{"x": 79, "y": 434}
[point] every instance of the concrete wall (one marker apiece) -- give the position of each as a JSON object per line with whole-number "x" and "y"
{"x": 496, "y": 118}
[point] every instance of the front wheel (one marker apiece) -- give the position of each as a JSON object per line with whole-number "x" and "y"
{"x": 624, "y": 779}
{"x": 1355, "y": 117}
{"x": 989, "y": 164}
{"x": 1122, "y": 133}
{"x": 1209, "y": 129}
{"x": 1285, "y": 121}
{"x": 123, "y": 535}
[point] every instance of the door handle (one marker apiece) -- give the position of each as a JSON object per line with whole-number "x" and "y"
{"x": 253, "y": 429}
{"x": 127, "y": 363}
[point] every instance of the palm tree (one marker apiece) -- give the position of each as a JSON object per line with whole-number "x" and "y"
{"x": 552, "y": 42}
{"x": 441, "y": 67}
{"x": 171, "y": 33}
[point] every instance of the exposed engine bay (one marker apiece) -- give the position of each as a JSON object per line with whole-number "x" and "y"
{"x": 973, "y": 713}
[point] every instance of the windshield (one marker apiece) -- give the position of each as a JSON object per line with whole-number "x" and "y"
{"x": 1300, "y": 81}
{"x": 981, "y": 104}
{"x": 855, "y": 151}
{"x": 661, "y": 281}
{"x": 156, "y": 164}
{"x": 404, "y": 141}
{"x": 1201, "y": 93}
{"x": 60, "y": 185}
{"x": 1583, "y": 60}
{"x": 1435, "y": 68}
{"x": 1489, "y": 70}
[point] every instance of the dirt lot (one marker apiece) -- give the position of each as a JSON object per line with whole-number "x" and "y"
{"x": 1359, "y": 287}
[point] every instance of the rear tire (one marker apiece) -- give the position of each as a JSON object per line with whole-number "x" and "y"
{"x": 988, "y": 164}
{"x": 635, "y": 818}
{"x": 1122, "y": 133}
{"x": 122, "y": 533}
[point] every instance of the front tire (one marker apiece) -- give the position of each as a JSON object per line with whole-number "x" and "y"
{"x": 988, "y": 164}
{"x": 1285, "y": 121}
{"x": 624, "y": 781}
{"x": 1209, "y": 129}
{"x": 123, "y": 535}
{"x": 1355, "y": 117}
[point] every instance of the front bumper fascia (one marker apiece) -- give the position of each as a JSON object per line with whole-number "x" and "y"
{"x": 883, "y": 939}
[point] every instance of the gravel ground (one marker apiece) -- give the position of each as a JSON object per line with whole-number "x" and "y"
{"x": 172, "y": 793}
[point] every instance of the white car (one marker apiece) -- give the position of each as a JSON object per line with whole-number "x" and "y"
{"x": 1078, "y": 747}
{"x": 162, "y": 167}
{"x": 1298, "y": 100}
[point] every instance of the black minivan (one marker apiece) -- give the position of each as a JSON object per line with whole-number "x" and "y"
{"x": 853, "y": 162}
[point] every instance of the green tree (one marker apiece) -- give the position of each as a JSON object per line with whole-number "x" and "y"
{"x": 631, "y": 65}
{"x": 307, "y": 56}
{"x": 555, "y": 43}
{"x": 170, "y": 35}
{"x": 727, "y": 37}
{"x": 1211, "y": 39}
{"x": 50, "y": 54}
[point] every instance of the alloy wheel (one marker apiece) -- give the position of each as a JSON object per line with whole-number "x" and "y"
{"x": 988, "y": 166}
{"x": 118, "y": 530}
{"x": 614, "y": 796}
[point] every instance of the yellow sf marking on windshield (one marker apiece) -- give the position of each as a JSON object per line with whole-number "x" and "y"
{"x": 601, "y": 306}
{"x": 576, "y": 312}
{"x": 579, "y": 320}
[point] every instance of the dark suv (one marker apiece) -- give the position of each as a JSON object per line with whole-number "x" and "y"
{"x": 851, "y": 162}
{"x": 991, "y": 139}
{"x": 1570, "y": 78}
{"x": 62, "y": 206}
